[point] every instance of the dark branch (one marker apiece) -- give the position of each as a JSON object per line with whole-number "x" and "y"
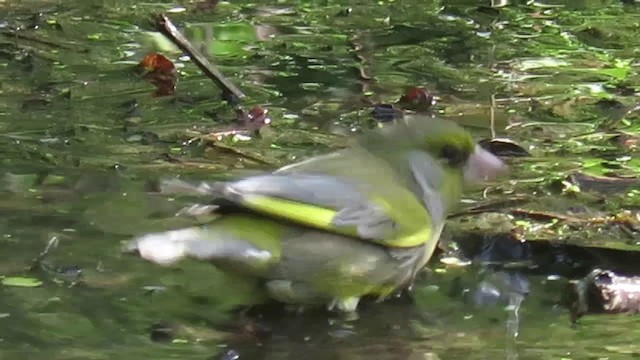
{"x": 229, "y": 91}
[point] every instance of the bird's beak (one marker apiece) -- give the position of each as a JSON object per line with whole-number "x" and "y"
{"x": 482, "y": 166}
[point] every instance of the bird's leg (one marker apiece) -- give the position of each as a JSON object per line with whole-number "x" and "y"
{"x": 290, "y": 292}
{"x": 347, "y": 307}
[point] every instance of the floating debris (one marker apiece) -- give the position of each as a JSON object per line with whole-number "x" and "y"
{"x": 417, "y": 99}
{"x": 19, "y": 281}
{"x": 603, "y": 292}
{"x": 504, "y": 147}
{"x": 161, "y": 72}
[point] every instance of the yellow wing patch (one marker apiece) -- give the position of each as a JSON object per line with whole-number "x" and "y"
{"x": 321, "y": 218}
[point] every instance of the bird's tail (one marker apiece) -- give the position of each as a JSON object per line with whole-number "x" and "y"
{"x": 175, "y": 186}
{"x": 205, "y": 243}
{"x": 211, "y": 191}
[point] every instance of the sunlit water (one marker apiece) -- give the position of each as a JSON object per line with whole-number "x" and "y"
{"x": 81, "y": 137}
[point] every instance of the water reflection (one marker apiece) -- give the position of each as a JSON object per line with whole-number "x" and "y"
{"x": 75, "y": 166}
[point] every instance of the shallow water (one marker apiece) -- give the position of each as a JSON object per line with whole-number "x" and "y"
{"x": 81, "y": 136}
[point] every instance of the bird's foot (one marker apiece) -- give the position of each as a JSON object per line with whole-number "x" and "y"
{"x": 346, "y": 307}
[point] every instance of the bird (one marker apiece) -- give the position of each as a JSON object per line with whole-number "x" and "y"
{"x": 357, "y": 222}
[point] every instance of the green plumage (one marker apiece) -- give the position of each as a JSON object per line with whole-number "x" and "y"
{"x": 331, "y": 229}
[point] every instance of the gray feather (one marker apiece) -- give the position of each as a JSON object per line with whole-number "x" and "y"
{"x": 351, "y": 203}
{"x": 320, "y": 190}
{"x": 372, "y": 221}
{"x": 429, "y": 175}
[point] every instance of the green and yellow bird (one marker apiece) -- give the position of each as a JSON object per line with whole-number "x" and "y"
{"x": 361, "y": 221}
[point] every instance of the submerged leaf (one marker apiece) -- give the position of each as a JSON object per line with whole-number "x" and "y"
{"x": 157, "y": 62}
{"x": 21, "y": 282}
{"x": 161, "y": 72}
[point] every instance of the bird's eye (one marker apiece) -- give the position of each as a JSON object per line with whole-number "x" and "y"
{"x": 453, "y": 155}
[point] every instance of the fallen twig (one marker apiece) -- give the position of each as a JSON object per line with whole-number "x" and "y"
{"x": 230, "y": 92}
{"x": 363, "y": 56}
{"x": 65, "y": 274}
{"x": 52, "y": 244}
{"x": 254, "y": 158}
{"x": 15, "y": 35}
{"x": 494, "y": 206}
{"x": 626, "y": 219}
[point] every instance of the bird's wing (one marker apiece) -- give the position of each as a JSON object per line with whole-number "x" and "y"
{"x": 357, "y": 199}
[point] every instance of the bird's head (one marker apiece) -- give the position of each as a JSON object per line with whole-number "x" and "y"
{"x": 447, "y": 142}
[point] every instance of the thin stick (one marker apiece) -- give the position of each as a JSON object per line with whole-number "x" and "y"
{"x": 21, "y": 36}
{"x": 493, "y": 116}
{"x": 229, "y": 91}
{"x": 52, "y": 244}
